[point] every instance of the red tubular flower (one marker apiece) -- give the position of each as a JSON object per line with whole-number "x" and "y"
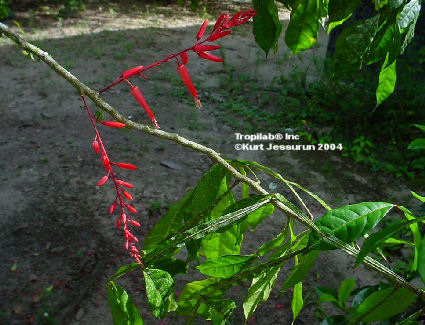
{"x": 219, "y": 21}
{"x": 126, "y": 166}
{"x": 219, "y": 35}
{"x": 181, "y": 68}
{"x": 203, "y": 48}
{"x": 105, "y": 161}
{"x": 113, "y": 206}
{"x": 103, "y": 180}
{"x": 132, "y": 72}
{"x": 235, "y": 17}
{"x": 132, "y": 209}
{"x": 126, "y": 184}
{"x": 113, "y": 124}
{"x": 210, "y": 57}
{"x": 202, "y": 30}
{"x": 135, "y": 91}
{"x": 134, "y": 223}
{"x": 127, "y": 195}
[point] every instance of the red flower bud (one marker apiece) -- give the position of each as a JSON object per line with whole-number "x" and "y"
{"x": 113, "y": 124}
{"x": 102, "y": 180}
{"x": 118, "y": 222}
{"x": 127, "y": 195}
{"x": 126, "y": 166}
{"x": 134, "y": 223}
{"x": 202, "y": 30}
{"x": 124, "y": 218}
{"x": 203, "y": 48}
{"x": 210, "y": 57}
{"x": 126, "y": 184}
{"x": 132, "y": 209}
{"x": 188, "y": 82}
{"x": 96, "y": 147}
{"x": 135, "y": 91}
{"x": 132, "y": 72}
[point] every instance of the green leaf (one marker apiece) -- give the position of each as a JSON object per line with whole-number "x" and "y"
{"x": 220, "y": 224}
{"x": 123, "y": 270}
{"x": 260, "y": 290}
{"x": 383, "y": 304}
{"x": 300, "y": 272}
{"x": 123, "y": 310}
{"x": 421, "y": 260}
{"x": 375, "y": 239}
{"x": 345, "y": 290}
{"x": 383, "y": 41}
{"x": 419, "y": 126}
{"x": 326, "y": 294}
{"x": 203, "y": 298}
{"x": 297, "y": 300}
{"x": 170, "y": 222}
{"x": 272, "y": 244}
{"x": 349, "y": 223}
{"x": 362, "y": 294}
{"x": 301, "y": 33}
{"x": 171, "y": 265}
{"x": 409, "y": 13}
{"x": 353, "y": 45}
{"x": 387, "y": 81}
{"x": 340, "y": 10}
{"x": 418, "y": 143}
{"x": 417, "y": 238}
{"x": 159, "y": 290}
{"x": 224, "y": 266}
{"x": 335, "y": 320}
{"x": 419, "y": 197}
{"x": 267, "y": 27}
{"x": 256, "y": 217}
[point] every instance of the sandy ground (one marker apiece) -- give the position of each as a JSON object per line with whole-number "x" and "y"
{"x": 58, "y": 243}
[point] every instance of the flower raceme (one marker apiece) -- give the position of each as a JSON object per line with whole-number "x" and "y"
{"x": 121, "y": 194}
{"x": 220, "y": 29}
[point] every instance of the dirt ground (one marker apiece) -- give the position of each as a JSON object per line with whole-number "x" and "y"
{"x": 58, "y": 244}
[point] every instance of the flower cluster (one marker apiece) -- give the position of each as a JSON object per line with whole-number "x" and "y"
{"x": 221, "y": 29}
{"x": 121, "y": 193}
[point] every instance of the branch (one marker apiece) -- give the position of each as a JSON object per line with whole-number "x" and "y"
{"x": 215, "y": 156}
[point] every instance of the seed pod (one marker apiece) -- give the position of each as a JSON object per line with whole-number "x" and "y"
{"x": 102, "y": 180}
{"x": 126, "y": 166}
{"x": 210, "y": 57}
{"x": 113, "y": 124}
{"x": 202, "y": 30}
{"x": 135, "y": 91}
{"x": 126, "y": 184}
{"x": 188, "y": 82}
{"x": 219, "y": 35}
